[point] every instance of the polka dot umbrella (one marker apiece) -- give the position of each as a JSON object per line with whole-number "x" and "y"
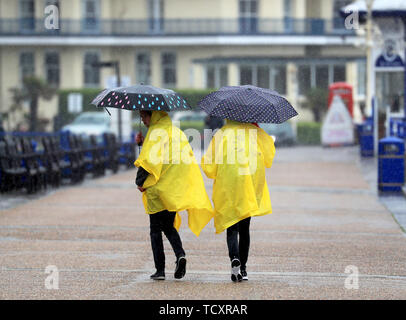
{"x": 248, "y": 104}
{"x": 141, "y": 97}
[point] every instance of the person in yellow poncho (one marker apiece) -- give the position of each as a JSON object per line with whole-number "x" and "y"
{"x": 236, "y": 159}
{"x": 171, "y": 181}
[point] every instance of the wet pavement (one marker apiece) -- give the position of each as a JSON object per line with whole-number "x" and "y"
{"x": 395, "y": 203}
{"x": 327, "y": 222}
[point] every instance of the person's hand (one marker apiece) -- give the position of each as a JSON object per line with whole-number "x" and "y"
{"x": 139, "y": 138}
{"x": 141, "y": 189}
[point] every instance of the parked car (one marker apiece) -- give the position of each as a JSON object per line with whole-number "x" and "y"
{"x": 90, "y": 123}
{"x": 282, "y": 133}
{"x": 188, "y": 116}
{"x": 189, "y": 119}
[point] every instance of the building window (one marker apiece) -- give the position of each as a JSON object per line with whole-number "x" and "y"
{"x": 91, "y": 13}
{"x": 340, "y": 74}
{"x": 322, "y": 76}
{"x": 223, "y": 70}
{"x": 362, "y": 78}
{"x": 248, "y": 10}
{"x": 305, "y": 81}
{"x": 27, "y": 64}
{"x": 264, "y": 76}
{"x": 216, "y": 76}
{"x": 246, "y": 75}
{"x": 143, "y": 68}
{"x": 52, "y": 68}
{"x": 91, "y": 73}
{"x": 287, "y": 8}
{"x": 168, "y": 62}
{"x": 211, "y": 77}
{"x": 279, "y": 79}
{"x": 319, "y": 76}
{"x": 156, "y": 15}
{"x": 27, "y": 15}
{"x": 288, "y": 15}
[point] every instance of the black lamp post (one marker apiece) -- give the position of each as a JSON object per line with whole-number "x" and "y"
{"x": 116, "y": 66}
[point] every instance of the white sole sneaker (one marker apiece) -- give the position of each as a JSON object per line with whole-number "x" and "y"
{"x": 235, "y": 271}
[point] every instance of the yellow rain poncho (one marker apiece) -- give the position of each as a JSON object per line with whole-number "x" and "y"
{"x": 175, "y": 182}
{"x": 236, "y": 159}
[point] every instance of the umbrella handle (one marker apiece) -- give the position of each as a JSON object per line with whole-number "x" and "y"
{"x": 107, "y": 111}
{"x": 139, "y": 147}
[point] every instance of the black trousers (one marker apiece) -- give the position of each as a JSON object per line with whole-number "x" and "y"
{"x": 239, "y": 248}
{"x": 163, "y": 222}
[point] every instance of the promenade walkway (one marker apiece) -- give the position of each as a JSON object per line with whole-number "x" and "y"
{"x": 326, "y": 218}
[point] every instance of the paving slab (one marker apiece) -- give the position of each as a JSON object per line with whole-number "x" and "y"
{"x": 327, "y": 217}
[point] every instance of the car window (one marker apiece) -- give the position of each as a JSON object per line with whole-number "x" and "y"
{"x": 198, "y": 117}
{"x": 191, "y": 118}
{"x": 90, "y": 120}
{"x": 277, "y": 128}
{"x": 269, "y": 127}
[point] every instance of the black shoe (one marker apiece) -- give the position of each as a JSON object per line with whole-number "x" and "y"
{"x": 180, "y": 270}
{"x": 235, "y": 271}
{"x": 159, "y": 275}
{"x": 244, "y": 275}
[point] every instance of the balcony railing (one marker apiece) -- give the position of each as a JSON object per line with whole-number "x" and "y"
{"x": 175, "y": 27}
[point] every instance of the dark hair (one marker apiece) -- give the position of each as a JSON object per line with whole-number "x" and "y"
{"x": 148, "y": 112}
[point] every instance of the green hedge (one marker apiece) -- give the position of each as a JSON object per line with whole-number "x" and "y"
{"x": 193, "y": 96}
{"x": 308, "y": 133}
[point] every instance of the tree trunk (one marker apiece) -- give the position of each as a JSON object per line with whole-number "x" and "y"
{"x": 33, "y": 113}
{"x": 316, "y": 115}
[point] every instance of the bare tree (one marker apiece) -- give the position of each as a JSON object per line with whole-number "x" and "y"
{"x": 32, "y": 90}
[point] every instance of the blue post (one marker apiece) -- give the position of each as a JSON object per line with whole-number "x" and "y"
{"x": 391, "y": 165}
{"x": 404, "y": 64}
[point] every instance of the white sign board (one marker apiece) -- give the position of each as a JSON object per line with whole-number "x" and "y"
{"x": 337, "y": 127}
{"x": 75, "y": 102}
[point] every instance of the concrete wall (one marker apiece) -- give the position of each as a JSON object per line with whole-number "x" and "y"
{"x": 129, "y": 9}
{"x": 271, "y": 9}
{"x": 8, "y": 9}
{"x": 313, "y": 8}
{"x": 201, "y": 9}
{"x": 300, "y": 9}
